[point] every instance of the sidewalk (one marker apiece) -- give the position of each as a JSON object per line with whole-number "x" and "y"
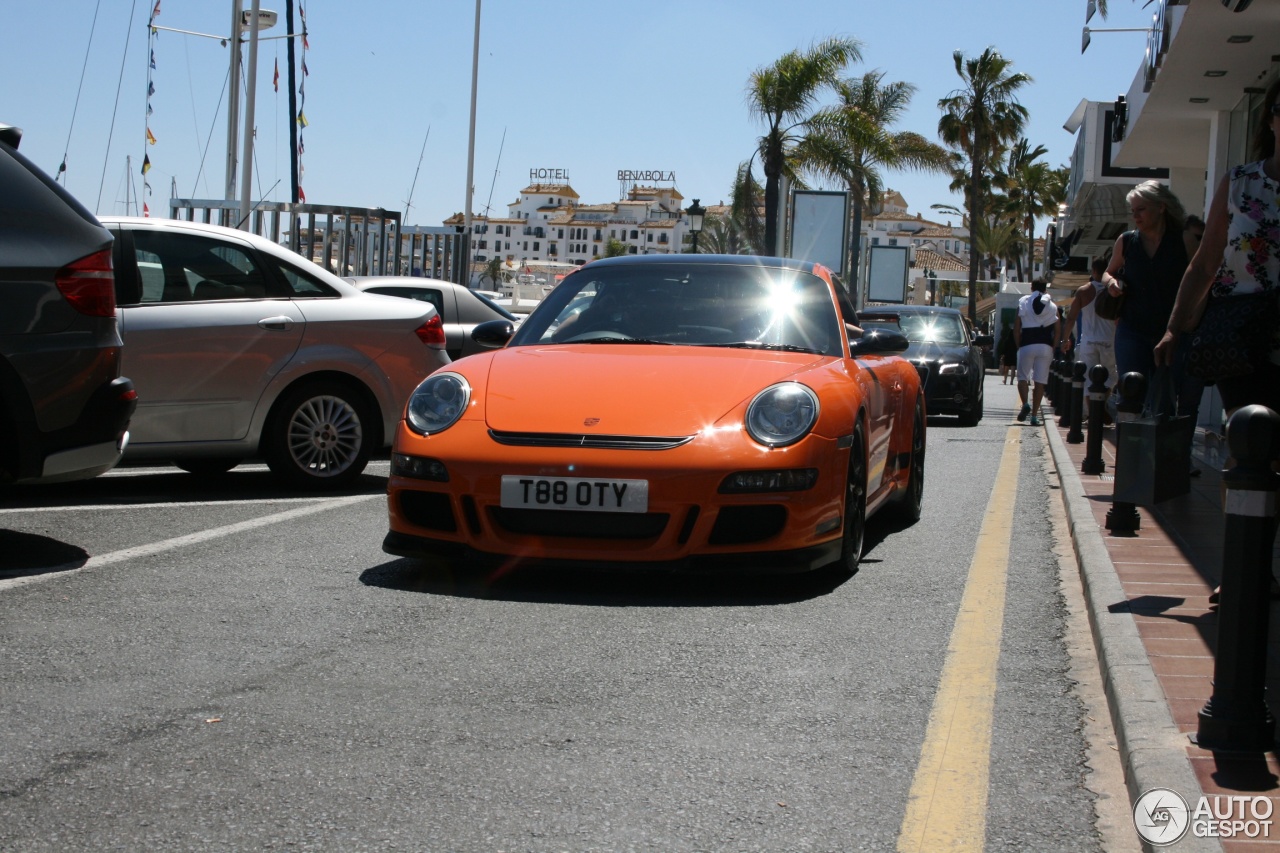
{"x": 1154, "y": 629}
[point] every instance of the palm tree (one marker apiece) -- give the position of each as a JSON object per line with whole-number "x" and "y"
{"x": 783, "y": 94}
{"x": 721, "y": 235}
{"x": 1035, "y": 191}
{"x": 747, "y": 201}
{"x": 493, "y": 271}
{"x": 976, "y": 119}
{"x": 852, "y": 142}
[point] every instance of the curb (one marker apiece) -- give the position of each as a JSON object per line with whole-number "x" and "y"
{"x": 1152, "y": 749}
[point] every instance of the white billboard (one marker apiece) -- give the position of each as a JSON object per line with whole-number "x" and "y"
{"x": 820, "y": 228}
{"x": 887, "y": 268}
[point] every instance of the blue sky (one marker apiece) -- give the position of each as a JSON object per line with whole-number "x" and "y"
{"x": 589, "y": 87}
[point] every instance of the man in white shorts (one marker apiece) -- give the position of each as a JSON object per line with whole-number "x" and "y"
{"x": 1036, "y": 331}
{"x": 1097, "y": 344}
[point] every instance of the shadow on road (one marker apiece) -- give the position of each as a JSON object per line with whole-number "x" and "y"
{"x": 23, "y": 554}
{"x": 599, "y": 588}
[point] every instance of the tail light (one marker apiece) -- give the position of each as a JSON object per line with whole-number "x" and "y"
{"x": 89, "y": 284}
{"x": 431, "y": 332}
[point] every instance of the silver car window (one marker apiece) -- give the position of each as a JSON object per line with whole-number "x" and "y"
{"x": 190, "y": 268}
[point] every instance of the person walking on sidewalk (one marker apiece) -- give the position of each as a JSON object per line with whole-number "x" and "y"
{"x": 1146, "y": 266}
{"x": 1008, "y": 356}
{"x": 1036, "y": 331}
{"x": 1097, "y": 338}
{"x": 1239, "y": 254}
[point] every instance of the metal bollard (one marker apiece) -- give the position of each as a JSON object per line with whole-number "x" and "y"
{"x": 1075, "y": 435}
{"x": 1093, "y": 463}
{"x": 1236, "y": 716}
{"x": 1055, "y": 376}
{"x": 1062, "y": 406}
{"x": 1123, "y": 516}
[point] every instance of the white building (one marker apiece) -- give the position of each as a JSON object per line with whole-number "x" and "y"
{"x": 547, "y": 224}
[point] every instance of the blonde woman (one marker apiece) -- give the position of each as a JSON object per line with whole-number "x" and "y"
{"x": 1147, "y": 265}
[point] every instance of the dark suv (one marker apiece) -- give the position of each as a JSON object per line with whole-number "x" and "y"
{"x": 945, "y": 351}
{"x": 64, "y": 408}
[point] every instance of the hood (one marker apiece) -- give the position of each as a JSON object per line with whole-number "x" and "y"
{"x": 627, "y": 390}
{"x": 930, "y": 351}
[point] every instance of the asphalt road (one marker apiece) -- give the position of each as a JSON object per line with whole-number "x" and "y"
{"x": 226, "y": 666}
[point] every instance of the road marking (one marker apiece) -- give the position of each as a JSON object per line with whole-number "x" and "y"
{"x": 154, "y": 548}
{"x": 947, "y": 806}
{"x": 163, "y": 505}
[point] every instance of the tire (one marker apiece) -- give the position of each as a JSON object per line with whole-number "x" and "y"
{"x": 910, "y": 505}
{"x": 855, "y": 506}
{"x": 206, "y": 467}
{"x": 319, "y": 436}
{"x": 971, "y": 417}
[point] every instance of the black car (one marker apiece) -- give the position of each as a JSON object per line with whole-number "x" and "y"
{"x": 64, "y": 408}
{"x": 946, "y": 352}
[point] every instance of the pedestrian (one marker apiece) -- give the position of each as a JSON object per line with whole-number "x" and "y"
{"x": 1008, "y": 355}
{"x": 1238, "y": 254}
{"x": 1097, "y": 335}
{"x": 1036, "y": 330}
{"x": 1146, "y": 266}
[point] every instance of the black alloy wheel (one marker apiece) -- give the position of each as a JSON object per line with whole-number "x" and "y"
{"x": 911, "y": 504}
{"x": 855, "y": 505}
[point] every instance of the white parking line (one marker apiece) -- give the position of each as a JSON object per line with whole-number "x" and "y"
{"x": 153, "y": 548}
{"x": 162, "y": 505}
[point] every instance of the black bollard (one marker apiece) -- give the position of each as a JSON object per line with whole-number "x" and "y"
{"x": 1055, "y": 376}
{"x": 1075, "y": 435}
{"x": 1093, "y": 463}
{"x": 1062, "y": 406}
{"x": 1123, "y": 516}
{"x": 1236, "y": 716}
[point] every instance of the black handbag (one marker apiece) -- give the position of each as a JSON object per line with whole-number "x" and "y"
{"x": 1153, "y": 459}
{"x": 1106, "y": 306}
{"x": 1234, "y": 337}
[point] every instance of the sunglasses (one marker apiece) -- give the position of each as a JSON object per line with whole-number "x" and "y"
{"x": 1274, "y": 109}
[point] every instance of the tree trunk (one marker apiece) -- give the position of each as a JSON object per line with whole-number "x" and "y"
{"x": 975, "y": 216}
{"x": 772, "y": 180}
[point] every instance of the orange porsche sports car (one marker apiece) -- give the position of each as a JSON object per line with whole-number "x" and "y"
{"x": 698, "y": 412}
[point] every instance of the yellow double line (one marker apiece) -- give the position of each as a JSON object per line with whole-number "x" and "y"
{"x": 947, "y": 807}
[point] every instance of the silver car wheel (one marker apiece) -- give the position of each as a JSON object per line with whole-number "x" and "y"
{"x": 325, "y": 436}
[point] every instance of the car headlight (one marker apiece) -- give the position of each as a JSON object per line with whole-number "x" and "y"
{"x": 782, "y": 414}
{"x": 438, "y": 402}
{"x": 953, "y": 370}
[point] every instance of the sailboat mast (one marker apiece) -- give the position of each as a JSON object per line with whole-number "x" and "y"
{"x": 293, "y": 105}
{"x": 409, "y": 203}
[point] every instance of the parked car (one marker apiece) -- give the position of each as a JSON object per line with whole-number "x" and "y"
{"x": 691, "y": 411}
{"x": 946, "y": 352}
{"x": 241, "y": 348}
{"x": 64, "y": 407}
{"x": 460, "y": 308}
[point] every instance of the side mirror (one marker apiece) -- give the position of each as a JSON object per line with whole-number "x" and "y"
{"x": 983, "y": 340}
{"x": 493, "y": 334}
{"x": 878, "y": 342}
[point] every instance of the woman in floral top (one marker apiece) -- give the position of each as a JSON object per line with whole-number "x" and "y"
{"x": 1240, "y": 254}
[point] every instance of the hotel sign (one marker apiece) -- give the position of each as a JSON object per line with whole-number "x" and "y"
{"x": 540, "y": 175}
{"x": 645, "y": 175}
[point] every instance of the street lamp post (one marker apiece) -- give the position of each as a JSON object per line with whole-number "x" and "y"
{"x": 696, "y": 213}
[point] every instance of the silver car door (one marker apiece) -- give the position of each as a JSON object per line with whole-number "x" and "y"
{"x": 205, "y": 339}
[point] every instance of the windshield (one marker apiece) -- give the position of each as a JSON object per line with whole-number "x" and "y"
{"x": 694, "y": 304}
{"x": 945, "y": 329}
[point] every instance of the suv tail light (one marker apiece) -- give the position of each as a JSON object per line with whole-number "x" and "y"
{"x": 431, "y": 332}
{"x": 89, "y": 284}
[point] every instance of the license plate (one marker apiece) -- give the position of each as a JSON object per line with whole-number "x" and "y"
{"x": 573, "y": 493}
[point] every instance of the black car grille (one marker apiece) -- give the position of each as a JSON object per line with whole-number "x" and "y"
{"x": 609, "y": 442}
{"x": 431, "y": 510}
{"x": 580, "y": 525}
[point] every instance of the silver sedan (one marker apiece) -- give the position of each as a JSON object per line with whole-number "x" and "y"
{"x": 461, "y": 309}
{"x": 241, "y": 348}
